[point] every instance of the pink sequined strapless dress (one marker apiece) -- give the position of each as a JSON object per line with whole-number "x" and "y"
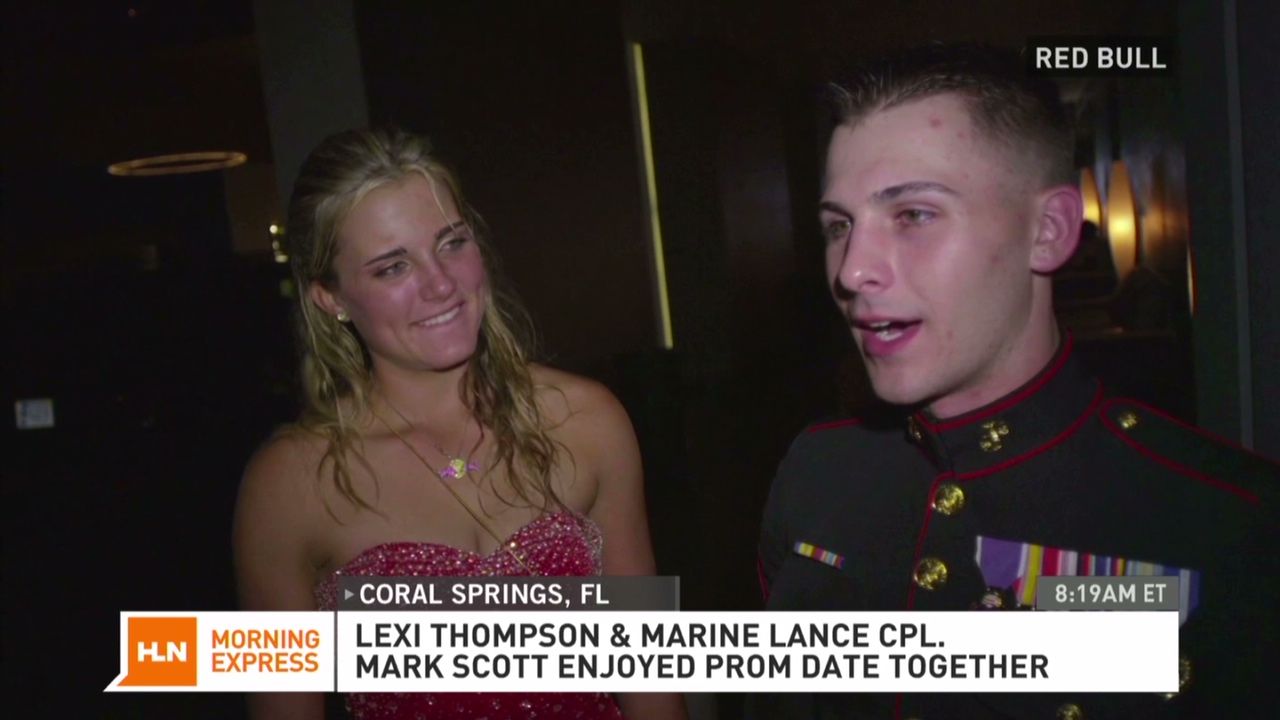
{"x": 556, "y": 544}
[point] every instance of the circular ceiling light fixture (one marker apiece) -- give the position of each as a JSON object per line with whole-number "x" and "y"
{"x": 178, "y": 163}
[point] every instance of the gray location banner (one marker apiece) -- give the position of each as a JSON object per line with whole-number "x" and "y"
{"x": 509, "y": 593}
{"x": 1100, "y": 592}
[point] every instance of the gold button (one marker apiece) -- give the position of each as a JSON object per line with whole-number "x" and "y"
{"x": 913, "y": 429}
{"x": 930, "y": 573}
{"x": 992, "y": 599}
{"x": 1070, "y": 711}
{"x": 1127, "y": 419}
{"x": 948, "y": 499}
{"x": 993, "y": 434}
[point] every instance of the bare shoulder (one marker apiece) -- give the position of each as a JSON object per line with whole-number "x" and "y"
{"x": 277, "y": 520}
{"x": 572, "y": 402}
{"x": 587, "y": 420}
{"x": 286, "y": 464}
{"x": 595, "y": 428}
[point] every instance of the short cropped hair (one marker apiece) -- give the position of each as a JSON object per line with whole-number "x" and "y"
{"x": 1013, "y": 109}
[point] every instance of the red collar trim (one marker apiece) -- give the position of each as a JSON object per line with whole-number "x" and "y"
{"x": 1055, "y": 366}
{"x": 1061, "y": 437}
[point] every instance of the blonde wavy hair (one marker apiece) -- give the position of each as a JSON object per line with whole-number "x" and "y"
{"x": 336, "y": 368}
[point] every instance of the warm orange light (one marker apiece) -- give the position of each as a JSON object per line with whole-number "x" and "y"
{"x": 1122, "y": 220}
{"x": 178, "y": 163}
{"x": 1092, "y": 199}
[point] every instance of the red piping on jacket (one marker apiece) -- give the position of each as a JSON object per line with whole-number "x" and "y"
{"x": 1008, "y": 402}
{"x": 1173, "y": 464}
{"x": 924, "y": 530}
{"x": 1199, "y": 431}
{"x": 1060, "y": 438}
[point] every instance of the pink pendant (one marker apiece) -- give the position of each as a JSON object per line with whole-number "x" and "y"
{"x": 457, "y": 469}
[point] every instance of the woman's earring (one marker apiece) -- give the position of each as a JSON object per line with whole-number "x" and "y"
{"x": 342, "y": 316}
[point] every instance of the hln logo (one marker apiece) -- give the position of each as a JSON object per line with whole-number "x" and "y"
{"x": 173, "y": 652}
{"x": 165, "y": 651}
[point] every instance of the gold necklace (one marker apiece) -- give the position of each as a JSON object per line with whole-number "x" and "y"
{"x": 509, "y": 546}
{"x": 457, "y": 465}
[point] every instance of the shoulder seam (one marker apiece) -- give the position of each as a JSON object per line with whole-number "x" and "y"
{"x": 1214, "y": 437}
{"x": 1174, "y": 465}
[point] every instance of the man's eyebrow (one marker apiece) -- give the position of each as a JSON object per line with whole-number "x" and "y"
{"x": 893, "y": 192}
{"x": 387, "y": 256}
{"x": 889, "y": 194}
{"x": 834, "y": 208}
{"x": 451, "y": 227}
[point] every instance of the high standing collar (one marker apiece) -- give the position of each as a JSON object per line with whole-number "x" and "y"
{"x": 1030, "y": 420}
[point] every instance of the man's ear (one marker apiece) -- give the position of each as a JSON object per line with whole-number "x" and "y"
{"x": 1058, "y": 230}
{"x": 324, "y": 299}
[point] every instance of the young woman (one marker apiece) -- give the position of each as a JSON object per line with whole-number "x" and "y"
{"x": 429, "y": 444}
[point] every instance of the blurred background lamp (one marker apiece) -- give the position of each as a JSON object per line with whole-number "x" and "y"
{"x": 1122, "y": 220}
{"x": 178, "y": 163}
{"x": 1092, "y": 200}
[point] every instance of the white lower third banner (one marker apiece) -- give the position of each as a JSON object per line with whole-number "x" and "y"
{"x": 417, "y": 651}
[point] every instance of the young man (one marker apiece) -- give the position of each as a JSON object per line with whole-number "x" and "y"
{"x": 949, "y": 200}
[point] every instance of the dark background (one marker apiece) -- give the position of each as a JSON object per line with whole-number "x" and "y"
{"x": 151, "y": 310}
